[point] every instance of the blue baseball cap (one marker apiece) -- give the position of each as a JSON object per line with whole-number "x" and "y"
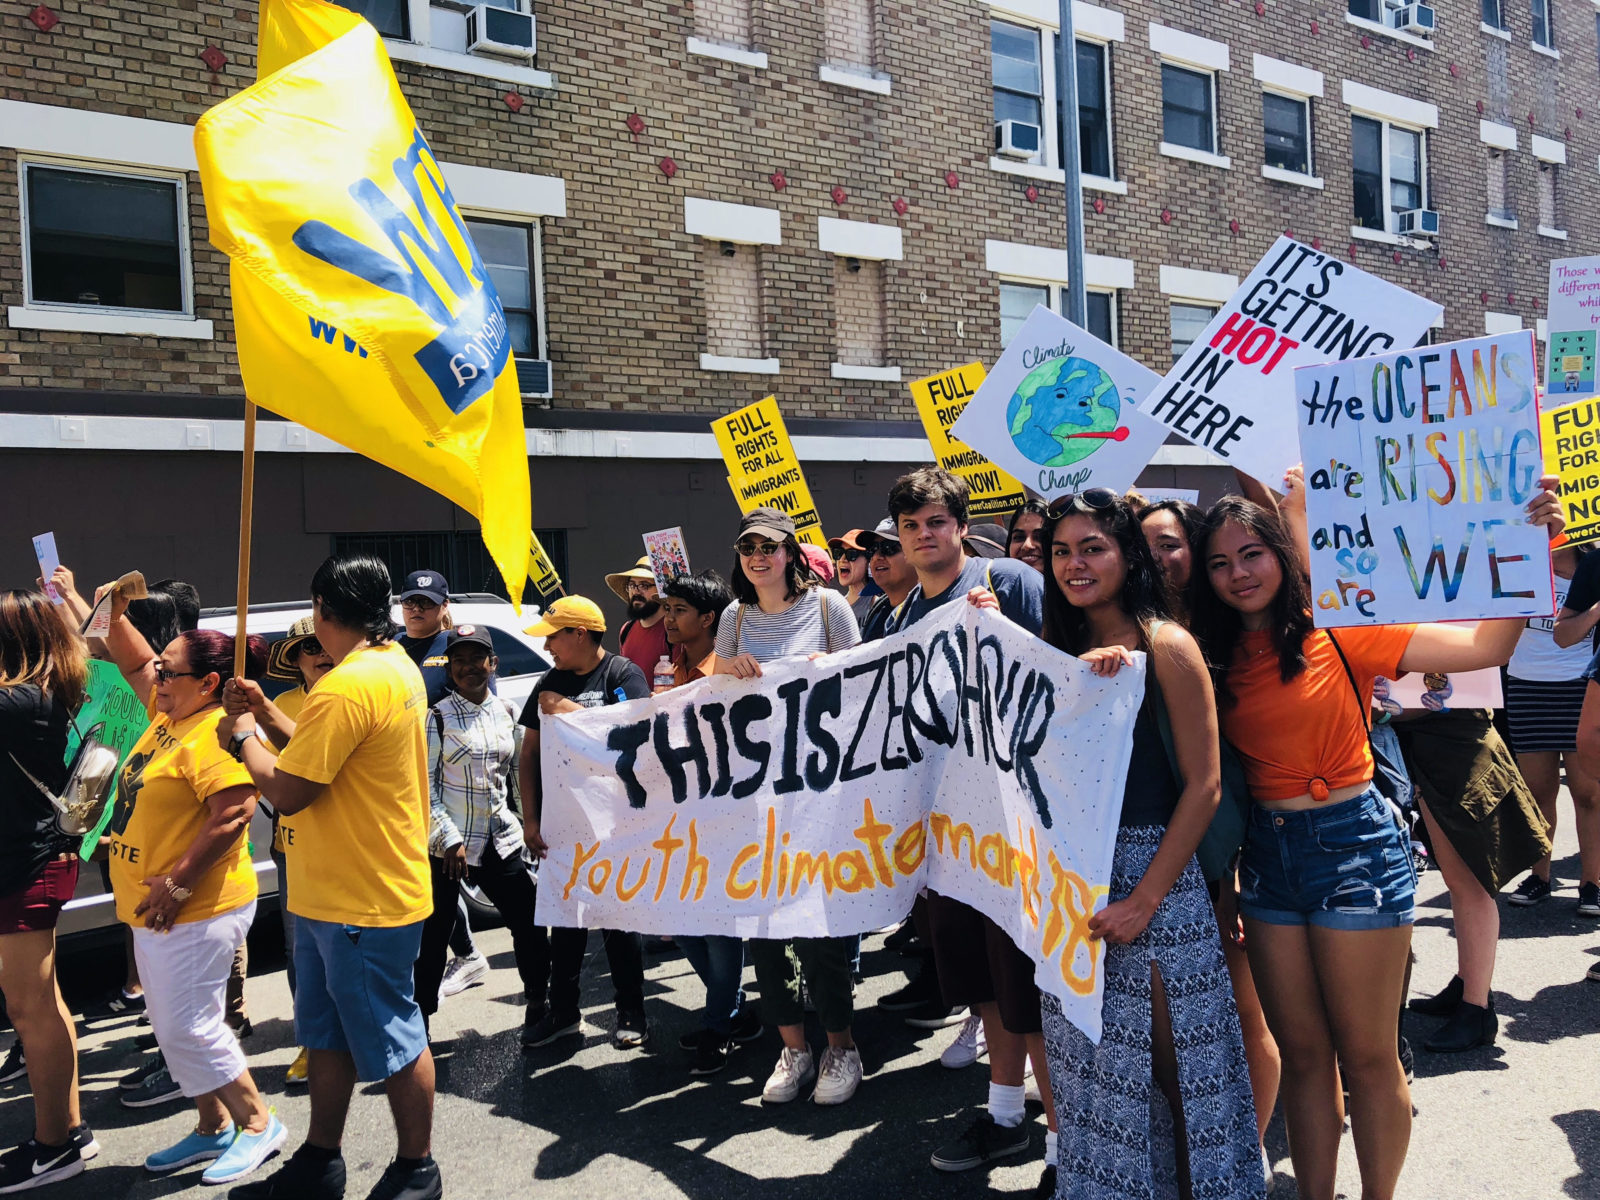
{"x": 428, "y": 584}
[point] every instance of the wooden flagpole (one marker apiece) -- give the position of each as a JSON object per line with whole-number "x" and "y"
{"x": 247, "y": 490}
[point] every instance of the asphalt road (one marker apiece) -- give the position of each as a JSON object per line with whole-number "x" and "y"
{"x": 582, "y": 1120}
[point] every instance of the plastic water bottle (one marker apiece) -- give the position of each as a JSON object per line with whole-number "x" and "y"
{"x": 662, "y": 675}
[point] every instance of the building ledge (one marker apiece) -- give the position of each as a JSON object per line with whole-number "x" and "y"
{"x": 1547, "y": 51}
{"x": 1382, "y": 30}
{"x": 745, "y": 366}
{"x": 1499, "y": 222}
{"x": 77, "y": 320}
{"x": 1362, "y": 234}
{"x": 1549, "y": 231}
{"x": 733, "y": 54}
{"x": 468, "y": 64}
{"x": 1090, "y": 183}
{"x": 881, "y": 374}
{"x": 1495, "y": 31}
{"x": 1279, "y": 175}
{"x": 1203, "y": 157}
{"x": 859, "y": 78}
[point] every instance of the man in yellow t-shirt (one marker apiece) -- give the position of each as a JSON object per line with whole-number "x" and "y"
{"x": 351, "y": 788}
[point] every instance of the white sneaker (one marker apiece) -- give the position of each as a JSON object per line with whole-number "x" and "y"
{"x": 794, "y": 1070}
{"x": 463, "y": 973}
{"x": 970, "y": 1045}
{"x": 839, "y": 1076}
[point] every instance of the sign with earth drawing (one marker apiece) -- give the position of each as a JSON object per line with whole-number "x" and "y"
{"x": 1059, "y": 411}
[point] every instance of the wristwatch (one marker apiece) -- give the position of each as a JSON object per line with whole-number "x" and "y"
{"x": 239, "y": 738}
{"x": 180, "y": 894}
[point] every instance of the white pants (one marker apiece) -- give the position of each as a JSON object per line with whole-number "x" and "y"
{"x": 185, "y": 978}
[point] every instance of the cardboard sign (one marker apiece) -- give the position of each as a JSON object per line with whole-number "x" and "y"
{"x": 763, "y": 469}
{"x": 809, "y": 803}
{"x": 541, "y": 570}
{"x": 98, "y": 623}
{"x": 1574, "y": 323}
{"x": 112, "y": 712}
{"x": 1571, "y": 437}
{"x": 44, "y": 549}
{"x": 940, "y": 399}
{"x": 1058, "y": 410}
{"x": 1232, "y": 392}
{"x": 1418, "y": 465}
{"x": 669, "y": 557}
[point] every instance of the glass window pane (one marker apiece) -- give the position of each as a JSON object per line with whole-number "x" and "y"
{"x": 1094, "y": 118}
{"x": 1284, "y": 119}
{"x": 1541, "y": 22}
{"x": 1189, "y": 321}
{"x": 103, "y": 240}
{"x": 388, "y": 17}
{"x": 1017, "y": 301}
{"x": 1369, "y": 9}
{"x": 1366, "y": 145}
{"x": 523, "y": 334}
{"x": 1097, "y": 318}
{"x": 1491, "y": 13}
{"x": 1017, "y": 58}
{"x": 1186, "y": 108}
{"x": 1405, "y": 169}
{"x": 1008, "y": 106}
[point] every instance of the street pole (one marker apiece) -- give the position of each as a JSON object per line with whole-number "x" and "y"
{"x": 1067, "y": 122}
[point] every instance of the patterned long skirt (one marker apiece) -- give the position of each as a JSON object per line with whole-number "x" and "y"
{"x": 1116, "y": 1127}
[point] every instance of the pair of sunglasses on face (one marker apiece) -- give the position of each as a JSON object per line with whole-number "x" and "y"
{"x": 1096, "y": 499}
{"x": 751, "y": 549}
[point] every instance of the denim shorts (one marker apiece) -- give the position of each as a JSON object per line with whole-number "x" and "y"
{"x": 354, "y": 993}
{"x": 1340, "y": 866}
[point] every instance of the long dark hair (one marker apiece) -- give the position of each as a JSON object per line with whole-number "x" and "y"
{"x": 1216, "y": 624}
{"x": 354, "y": 591}
{"x": 797, "y": 574}
{"x": 1144, "y": 591}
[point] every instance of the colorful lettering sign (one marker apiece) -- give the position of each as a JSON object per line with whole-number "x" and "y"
{"x": 1418, "y": 466}
{"x": 1571, "y": 436}
{"x": 940, "y": 399}
{"x": 964, "y": 755}
{"x": 763, "y": 469}
{"x": 1573, "y": 318}
{"x": 669, "y": 556}
{"x": 1232, "y": 392}
{"x": 1058, "y": 410}
{"x": 113, "y": 713}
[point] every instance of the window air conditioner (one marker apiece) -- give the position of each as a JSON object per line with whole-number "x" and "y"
{"x": 533, "y": 378}
{"x": 495, "y": 30}
{"x": 1016, "y": 139}
{"x": 1418, "y": 222}
{"x": 1415, "y": 18}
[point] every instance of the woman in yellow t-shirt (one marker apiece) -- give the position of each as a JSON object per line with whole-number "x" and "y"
{"x": 182, "y": 879}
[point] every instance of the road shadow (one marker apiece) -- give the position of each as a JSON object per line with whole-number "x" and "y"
{"x": 1557, "y": 1012}
{"x": 1583, "y": 1135}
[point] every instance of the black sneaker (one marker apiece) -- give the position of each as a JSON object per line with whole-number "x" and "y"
{"x": 33, "y": 1164}
{"x": 307, "y": 1174}
{"x": 159, "y": 1087}
{"x": 83, "y": 1138}
{"x": 400, "y": 1182}
{"x": 1530, "y": 891}
{"x": 1408, "y": 1061}
{"x": 935, "y": 1014}
{"x": 983, "y": 1141}
{"x": 134, "y": 1080}
{"x": 1589, "y": 900}
{"x": 710, "y": 1056}
{"x": 1047, "y": 1184}
{"x": 631, "y": 1032}
{"x": 691, "y": 1040}
{"x": 904, "y": 940}
{"x": 915, "y": 994}
{"x": 747, "y": 1026}
{"x": 16, "y": 1065}
{"x": 549, "y": 1028}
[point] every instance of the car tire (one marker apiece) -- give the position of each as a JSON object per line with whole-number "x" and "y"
{"x": 480, "y": 913}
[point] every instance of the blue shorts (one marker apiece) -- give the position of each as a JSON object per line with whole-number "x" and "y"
{"x": 1341, "y": 866}
{"x": 353, "y": 993}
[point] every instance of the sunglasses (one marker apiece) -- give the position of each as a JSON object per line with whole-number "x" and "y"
{"x": 852, "y": 555}
{"x": 886, "y": 548}
{"x": 1096, "y": 499}
{"x": 751, "y": 549}
{"x": 165, "y": 676}
{"x": 309, "y": 645}
{"x": 419, "y": 603}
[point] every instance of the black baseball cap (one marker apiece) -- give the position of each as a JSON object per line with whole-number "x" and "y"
{"x": 428, "y": 584}
{"x": 469, "y": 635}
{"x": 769, "y": 522}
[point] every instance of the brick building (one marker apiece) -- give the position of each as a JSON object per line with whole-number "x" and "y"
{"x": 690, "y": 203}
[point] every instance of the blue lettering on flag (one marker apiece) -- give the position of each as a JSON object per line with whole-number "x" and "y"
{"x": 474, "y": 345}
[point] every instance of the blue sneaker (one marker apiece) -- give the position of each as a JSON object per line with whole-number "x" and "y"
{"x": 249, "y": 1151}
{"x": 195, "y": 1147}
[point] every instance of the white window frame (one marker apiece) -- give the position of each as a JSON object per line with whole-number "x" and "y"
{"x": 1401, "y": 112}
{"x": 1387, "y": 235}
{"x": 417, "y": 49}
{"x": 102, "y": 318}
{"x": 1200, "y": 56}
{"x": 1091, "y": 23}
{"x": 535, "y": 228}
{"x": 1292, "y": 82}
{"x": 1055, "y": 300}
{"x": 1547, "y": 47}
{"x": 1389, "y": 31}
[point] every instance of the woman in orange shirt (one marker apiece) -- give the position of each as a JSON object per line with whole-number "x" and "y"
{"x": 1326, "y": 882}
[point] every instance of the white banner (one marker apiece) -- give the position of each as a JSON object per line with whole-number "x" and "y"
{"x": 1572, "y": 315}
{"x": 1418, "y": 465}
{"x": 1058, "y": 412}
{"x": 1233, "y": 391}
{"x": 964, "y": 755}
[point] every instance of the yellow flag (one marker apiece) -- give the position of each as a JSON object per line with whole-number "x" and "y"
{"x": 361, "y": 307}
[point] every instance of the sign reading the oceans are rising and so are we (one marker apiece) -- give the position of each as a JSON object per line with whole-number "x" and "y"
{"x": 1232, "y": 392}
{"x": 964, "y": 755}
{"x": 763, "y": 469}
{"x": 1418, "y": 467}
{"x": 1573, "y": 318}
{"x": 1058, "y": 410}
{"x": 940, "y": 400}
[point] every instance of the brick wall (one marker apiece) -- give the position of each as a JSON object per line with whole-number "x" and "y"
{"x": 858, "y": 313}
{"x": 732, "y": 300}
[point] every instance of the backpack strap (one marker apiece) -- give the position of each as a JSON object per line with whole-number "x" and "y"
{"x": 827, "y": 634}
{"x": 738, "y": 628}
{"x": 1364, "y": 709}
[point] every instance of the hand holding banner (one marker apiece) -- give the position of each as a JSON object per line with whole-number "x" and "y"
{"x": 763, "y": 468}
{"x": 940, "y": 399}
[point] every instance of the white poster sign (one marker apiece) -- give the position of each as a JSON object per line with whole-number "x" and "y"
{"x": 1232, "y": 392}
{"x": 44, "y": 551}
{"x": 1418, "y": 465}
{"x": 1573, "y": 319}
{"x": 1058, "y": 411}
{"x": 1156, "y": 495}
{"x": 1432, "y": 692}
{"x": 965, "y": 755}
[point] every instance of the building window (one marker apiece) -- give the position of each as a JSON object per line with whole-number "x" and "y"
{"x": 510, "y": 253}
{"x": 1287, "y": 122}
{"x": 1018, "y": 74}
{"x": 733, "y": 300}
{"x": 1094, "y": 109}
{"x": 725, "y": 22}
{"x": 1367, "y": 10}
{"x": 102, "y": 239}
{"x": 1188, "y": 108}
{"x": 1543, "y": 30}
{"x": 847, "y": 32}
{"x": 1547, "y": 196}
{"x": 1493, "y": 16}
{"x": 391, "y": 18}
{"x": 1017, "y": 301}
{"x": 861, "y": 335}
{"x": 1499, "y": 208}
{"x": 1388, "y": 169}
{"x": 1189, "y": 321}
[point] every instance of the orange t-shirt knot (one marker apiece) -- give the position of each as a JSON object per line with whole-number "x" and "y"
{"x": 1319, "y": 789}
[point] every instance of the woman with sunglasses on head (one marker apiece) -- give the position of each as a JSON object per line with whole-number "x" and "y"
{"x": 1026, "y": 534}
{"x": 1166, "y": 985}
{"x": 42, "y": 680}
{"x": 1327, "y": 885}
{"x": 779, "y": 611}
{"x": 182, "y": 879}
{"x": 297, "y": 656}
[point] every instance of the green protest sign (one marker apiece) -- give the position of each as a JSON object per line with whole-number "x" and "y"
{"x": 115, "y": 715}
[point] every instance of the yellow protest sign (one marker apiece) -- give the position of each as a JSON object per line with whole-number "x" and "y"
{"x": 763, "y": 468}
{"x": 940, "y": 399}
{"x": 542, "y": 570}
{"x": 1571, "y": 439}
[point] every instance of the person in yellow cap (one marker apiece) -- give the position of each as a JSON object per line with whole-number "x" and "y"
{"x": 584, "y": 676}
{"x": 643, "y": 638}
